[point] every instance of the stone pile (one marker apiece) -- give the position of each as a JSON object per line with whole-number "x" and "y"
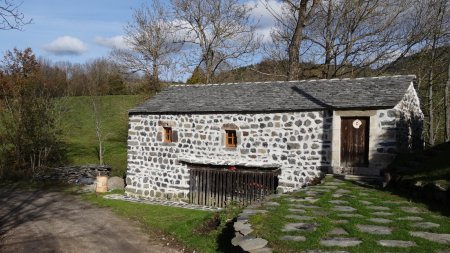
{"x": 74, "y": 174}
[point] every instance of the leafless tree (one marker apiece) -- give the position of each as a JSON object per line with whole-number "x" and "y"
{"x": 150, "y": 37}
{"x": 222, "y": 29}
{"x": 10, "y": 15}
{"x": 289, "y": 28}
{"x": 354, "y": 35}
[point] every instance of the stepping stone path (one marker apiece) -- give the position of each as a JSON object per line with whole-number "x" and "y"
{"x": 340, "y": 242}
{"x": 425, "y": 225}
{"x": 396, "y": 243}
{"x": 302, "y": 227}
{"x": 375, "y": 230}
{"x": 380, "y": 220}
{"x": 296, "y": 238}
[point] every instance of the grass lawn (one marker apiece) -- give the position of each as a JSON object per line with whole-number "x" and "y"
{"x": 270, "y": 225}
{"x": 189, "y": 227}
{"x": 79, "y": 129}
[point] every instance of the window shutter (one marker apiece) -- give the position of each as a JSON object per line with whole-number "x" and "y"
{"x": 174, "y": 136}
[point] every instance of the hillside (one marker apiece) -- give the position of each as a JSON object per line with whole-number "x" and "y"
{"x": 79, "y": 129}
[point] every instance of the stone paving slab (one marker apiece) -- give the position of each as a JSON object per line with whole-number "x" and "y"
{"x": 350, "y": 215}
{"x": 382, "y": 213}
{"x": 304, "y": 206}
{"x": 411, "y": 209}
{"x": 252, "y": 244}
{"x": 380, "y": 220}
{"x": 425, "y": 225}
{"x": 375, "y": 230}
{"x": 300, "y": 227}
{"x": 338, "y": 201}
{"x": 159, "y": 202}
{"x": 434, "y": 237}
{"x": 344, "y": 209}
{"x": 410, "y": 218}
{"x": 340, "y": 242}
{"x": 296, "y": 210}
{"x": 299, "y": 217}
{"x": 397, "y": 243}
{"x": 378, "y": 208}
{"x": 365, "y": 202}
{"x": 295, "y": 238}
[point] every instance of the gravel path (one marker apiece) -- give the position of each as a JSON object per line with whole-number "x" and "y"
{"x": 45, "y": 221}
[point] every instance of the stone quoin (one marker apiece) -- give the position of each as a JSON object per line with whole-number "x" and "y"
{"x": 297, "y": 126}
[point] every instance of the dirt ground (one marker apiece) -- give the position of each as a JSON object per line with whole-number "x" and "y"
{"x": 49, "y": 221}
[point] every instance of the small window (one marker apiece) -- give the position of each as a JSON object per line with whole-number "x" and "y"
{"x": 230, "y": 138}
{"x": 167, "y": 134}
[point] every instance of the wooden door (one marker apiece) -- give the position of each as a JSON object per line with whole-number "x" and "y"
{"x": 354, "y": 142}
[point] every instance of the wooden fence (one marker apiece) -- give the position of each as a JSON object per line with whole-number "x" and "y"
{"x": 221, "y": 187}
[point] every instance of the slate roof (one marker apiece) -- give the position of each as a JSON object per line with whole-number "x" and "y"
{"x": 308, "y": 95}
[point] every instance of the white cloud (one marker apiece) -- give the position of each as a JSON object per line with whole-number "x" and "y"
{"x": 263, "y": 12}
{"x": 66, "y": 45}
{"x": 116, "y": 42}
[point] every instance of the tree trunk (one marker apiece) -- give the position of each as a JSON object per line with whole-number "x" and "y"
{"x": 155, "y": 76}
{"x": 295, "y": 43}
{"x": 447, "y": 107}
{"x": 431, "y": 136}
{"x": 328, "y": 42}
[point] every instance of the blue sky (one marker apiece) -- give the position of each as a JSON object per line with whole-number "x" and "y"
{"x": 81, "y": 30}
{"x": 74, "y": 31}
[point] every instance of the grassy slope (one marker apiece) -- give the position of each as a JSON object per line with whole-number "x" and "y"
{"x": 79, "y": 129}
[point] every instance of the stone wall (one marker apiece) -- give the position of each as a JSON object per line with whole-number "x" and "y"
{"x": 297, "y": 142}
{"x": 73, "y": 174}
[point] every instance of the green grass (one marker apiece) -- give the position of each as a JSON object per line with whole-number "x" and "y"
{"x": 79, "y": 129}
{"x": 180, "y": 223}
{"x": 269, "y": 226}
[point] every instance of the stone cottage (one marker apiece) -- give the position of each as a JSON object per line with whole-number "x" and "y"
{"x": 299, "y": 128}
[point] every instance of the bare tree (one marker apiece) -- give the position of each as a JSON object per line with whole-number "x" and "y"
{"x": 290, "y": 26}
{"x": 10, "y": 15}
{"x": 354, "y": 35}
{"x": 222, "y": 29}
{"x": 150, "y": 37}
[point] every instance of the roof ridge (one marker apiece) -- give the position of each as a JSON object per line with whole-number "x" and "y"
{"x": 291, "y": 81}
